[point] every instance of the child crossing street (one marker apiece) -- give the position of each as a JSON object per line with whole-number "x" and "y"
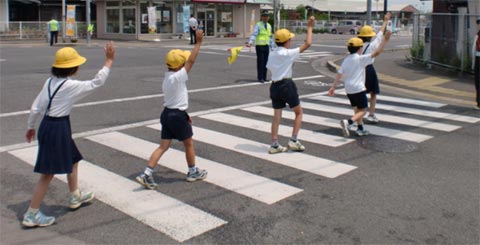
{"x": 57, "y": 152}
{"x": 283, "y": 90}
{"x": 175, "y": 121}
{"x": 352, "y": 71}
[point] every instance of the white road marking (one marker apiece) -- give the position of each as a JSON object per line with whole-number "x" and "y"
{"x": 250, "y": 185}
{"x": 384, "y": 117}
{"x": 312, "y": 164}
{"x": 409, "y": 101}
{"x": 306, "y": 135}
{"x": 425, "y": 113}
{"x": 334, "y": 123}
{"x": 170, "y": 216}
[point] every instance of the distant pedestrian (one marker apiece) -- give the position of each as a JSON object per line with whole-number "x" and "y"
{"x": 262, "y": 36}
{"x": 352, "y": 71}
{"x": 283, "y": 90}
{"x": 57, "y": 152}
{"x": 175, "y": 121}
{"x": 371, "y": 80}
{"x": 53, "y": 29}
{"x": 476, "y": 63}
{"x": 193, "y": 24}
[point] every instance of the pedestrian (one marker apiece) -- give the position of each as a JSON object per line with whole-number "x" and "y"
{"x": 262, "y": 36}
{"x": 192, "y": 22}
{"x": 371, "y": 78}
{"x": 53, "y": 29}
{"x": 352, "y": 71}
{"x": 57, "y": 152}
{"x": 283, "y": 90}
{"x": 476, "y": 64}
{"x": 175, "y": 121}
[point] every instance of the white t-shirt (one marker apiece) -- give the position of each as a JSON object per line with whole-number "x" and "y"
{"x": 193, "y": 23}
{"x": 175, "y": 89}
{"x": 280, "y": 62}
{"x": 353, "y": 72}
{"x": 71, "y": 92}
{"x": 373, "y": 45}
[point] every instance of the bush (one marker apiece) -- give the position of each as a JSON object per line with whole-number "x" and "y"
{"x": 417, "y": 51}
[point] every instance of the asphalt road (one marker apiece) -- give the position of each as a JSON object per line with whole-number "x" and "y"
{"x": 412, "y": 182}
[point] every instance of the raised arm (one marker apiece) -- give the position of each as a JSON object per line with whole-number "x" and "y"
{"x": 308, "y": 42}
{"x": 196, "y": 49}
{"x": 386, "y": 18}
{"x": 382, "y": 45}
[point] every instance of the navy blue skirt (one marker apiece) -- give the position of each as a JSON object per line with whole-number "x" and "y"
{"x": 57, "y": 151}
{"x": 371, "y": 80}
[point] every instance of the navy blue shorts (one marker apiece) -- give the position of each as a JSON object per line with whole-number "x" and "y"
{"x": 175, "y": 125}
{"x": 371, "y": 80}
{"x": 57, "y": 151}
{"x": 358, "y": 100}
{"x": 284, "y": 92}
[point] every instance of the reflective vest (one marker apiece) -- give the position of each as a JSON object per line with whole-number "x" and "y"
{"x": 263, "y": 36}
{"x": 53, "y": 25}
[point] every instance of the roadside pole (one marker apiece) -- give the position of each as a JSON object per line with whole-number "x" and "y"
{"x": 88, "y": 21}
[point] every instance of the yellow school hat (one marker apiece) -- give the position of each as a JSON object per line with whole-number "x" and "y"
{"x": 176, "y": 58}
{"x": 68, "y": 58}
{"x": 283, "y": 35}
{"x": 355, "y": 42}
{"x": 367, "y": 31}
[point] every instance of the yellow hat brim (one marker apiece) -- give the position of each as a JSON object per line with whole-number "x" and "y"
{"x": 80, "y": 60}
{"x": 368, "y": 35}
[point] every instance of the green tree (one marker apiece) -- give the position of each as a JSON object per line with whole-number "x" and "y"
{"x": 301, "y": 11}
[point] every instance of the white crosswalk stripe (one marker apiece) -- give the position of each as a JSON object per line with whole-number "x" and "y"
{"x": 183, "y": 221}
{"x": 250, "y": 185}
{"x": 301, "y": 161}
{"x": 174, "y": 218}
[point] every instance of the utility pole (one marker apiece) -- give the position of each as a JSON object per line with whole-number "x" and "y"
{"x": 369, "y": 12}
{"x": 63, "y": 21}
{"x": 385, "y": 6}
{"x": 88, "y": 21}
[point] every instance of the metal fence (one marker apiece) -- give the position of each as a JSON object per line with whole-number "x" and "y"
{"x": 444, "y": 39}
{"x": 36, "y": 30}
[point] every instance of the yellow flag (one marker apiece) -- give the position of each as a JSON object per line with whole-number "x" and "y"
{"x": 235, "y": 51}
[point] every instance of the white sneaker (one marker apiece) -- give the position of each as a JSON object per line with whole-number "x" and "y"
{"x": 295, "y": 146}
{"x": 372, "y": 119}
{"x": 345, "y": 126}
{"x": 362, "y": 132}
{"x": 277, "y": 149}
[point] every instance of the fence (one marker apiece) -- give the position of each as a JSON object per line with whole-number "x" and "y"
{"x": 36, "y": 30}
{"x": 444, "y": 39}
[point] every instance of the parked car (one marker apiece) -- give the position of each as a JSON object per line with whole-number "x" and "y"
{"x": 347, "y": 26}
{"x": 298, "y": 25}
{"x": 320, "y": 24}
{"x": 330, "y": 26}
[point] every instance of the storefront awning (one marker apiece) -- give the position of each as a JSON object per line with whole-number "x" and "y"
{"x": 218, "y": 1}
{"x": 260, "y": 1}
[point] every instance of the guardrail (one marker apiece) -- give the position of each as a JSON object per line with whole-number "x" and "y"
{"x": 18, "y": 30}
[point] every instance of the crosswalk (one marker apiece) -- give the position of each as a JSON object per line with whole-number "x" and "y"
{"x": 402, "y": 119}
{"x": 305, "y": 57}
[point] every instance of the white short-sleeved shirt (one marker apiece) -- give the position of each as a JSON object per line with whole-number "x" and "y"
{"x": 71, "y": 92}
{"x": 280, "y": 62}
{"x": 353, "y": 72}
{"x": 174, "y": 88}
{"x": 373, "y": 45}
{"x": 193, "y": 22}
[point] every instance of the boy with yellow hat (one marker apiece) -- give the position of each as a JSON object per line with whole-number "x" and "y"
{"x": 283, "y": 90}
{"x": 57, "y": 152}
{"x": 371, "y": 79}
{"x": 352, "y": 71}
{"x": 175, "y": 121}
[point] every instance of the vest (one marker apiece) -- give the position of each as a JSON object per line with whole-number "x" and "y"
{"x": 263, "y": 36}
{"x": 53, "y": 25}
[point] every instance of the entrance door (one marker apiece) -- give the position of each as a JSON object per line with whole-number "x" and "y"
{"x": 206, "y": 21}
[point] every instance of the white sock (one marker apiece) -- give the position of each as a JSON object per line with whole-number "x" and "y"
{"x": 192, "y": 169}
{"x": 148, "y": 171}
{"x": 32, "y": 210}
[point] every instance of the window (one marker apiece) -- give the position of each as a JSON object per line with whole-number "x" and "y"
{"x": 120, "y": 17}
{"x": 164, "y": 18}
{"x": 225, "y": 18}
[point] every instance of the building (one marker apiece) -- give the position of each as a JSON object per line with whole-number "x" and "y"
{"x": 128, "y": 19}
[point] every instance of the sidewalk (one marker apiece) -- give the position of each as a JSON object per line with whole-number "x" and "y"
{"x": 398, "y": 74}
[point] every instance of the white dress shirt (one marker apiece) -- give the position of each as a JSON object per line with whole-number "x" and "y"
{"x": 174, "y": 88}
{"x": 280, "y": 62}
{"x": 71, "y": 92}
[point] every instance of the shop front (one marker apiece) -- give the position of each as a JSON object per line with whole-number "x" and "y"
{"x": 129, "y": 19}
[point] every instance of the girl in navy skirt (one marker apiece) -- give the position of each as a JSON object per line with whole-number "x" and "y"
{"x": 57, "y": 152}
